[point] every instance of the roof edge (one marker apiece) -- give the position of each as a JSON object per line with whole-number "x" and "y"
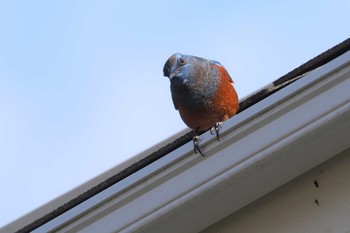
{"x": 280, "y": 83}
{"x": 173, "y": 189}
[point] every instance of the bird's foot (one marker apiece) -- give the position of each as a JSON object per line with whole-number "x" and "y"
{"x": 216, "y": 129}
{"x": 196, "y": 147}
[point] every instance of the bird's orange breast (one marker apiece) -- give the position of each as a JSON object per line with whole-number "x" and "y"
{"x": 223, "y": 106}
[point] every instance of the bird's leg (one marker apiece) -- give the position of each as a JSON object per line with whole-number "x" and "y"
{"x": 195, "y": 145}
{"x": 216, "y": 128}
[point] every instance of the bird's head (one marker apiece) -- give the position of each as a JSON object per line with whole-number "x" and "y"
{"x": 175, "y": 64}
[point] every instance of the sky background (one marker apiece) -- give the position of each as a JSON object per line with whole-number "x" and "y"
{"x": 82, "y": 87}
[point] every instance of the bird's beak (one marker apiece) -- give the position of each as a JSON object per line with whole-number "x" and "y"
{"x": 168, "y": 67}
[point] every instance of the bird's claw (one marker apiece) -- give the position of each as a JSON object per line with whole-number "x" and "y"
{"x": 216, "y": 129}
{"x": 196, "y": 147}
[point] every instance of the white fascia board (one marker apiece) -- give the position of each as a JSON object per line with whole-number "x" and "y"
{"x": 263, "y": 147}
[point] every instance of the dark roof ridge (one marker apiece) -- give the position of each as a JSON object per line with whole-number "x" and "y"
{"x": 280, "y": 83}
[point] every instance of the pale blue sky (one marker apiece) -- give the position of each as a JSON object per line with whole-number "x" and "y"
{"x": 81, "y": 85}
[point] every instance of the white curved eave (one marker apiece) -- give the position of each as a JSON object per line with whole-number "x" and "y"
{"x": 263, "y": 147}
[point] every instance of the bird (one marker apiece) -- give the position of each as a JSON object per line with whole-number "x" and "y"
{"x": 202, "y": 91}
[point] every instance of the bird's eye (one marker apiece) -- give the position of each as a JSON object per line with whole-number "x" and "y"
{"x": 182, "y": 61}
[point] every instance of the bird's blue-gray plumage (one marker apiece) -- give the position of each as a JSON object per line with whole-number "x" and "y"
{"x": 194, "y": 80}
